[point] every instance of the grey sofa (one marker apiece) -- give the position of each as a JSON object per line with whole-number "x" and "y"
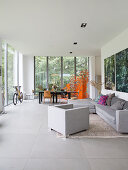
{"x": 118, "y": 119}
{"x": 84, "y": 102}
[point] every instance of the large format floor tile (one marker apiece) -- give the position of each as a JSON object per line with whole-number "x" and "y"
{"x": 27, "y": 144}
{"x": 12, "y": 164}
{"x": 109, "y": 164}
{"x": 105, "y": 148}
{"x": 57, "y": 164}
{"x": 49, "y": 146}
{"x": 16, "y": 146}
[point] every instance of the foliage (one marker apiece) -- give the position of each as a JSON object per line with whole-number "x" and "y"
{"x": 68, "y": 69}
{"x": 122, "y": 71}
{"x": 109, "y": 67}
{"x": 11, "y": 53}
{"x": 40, "y": 73}
{"x": 10, "y": 60}
{"x": 54, "y": 70}
{"x": 81, "y": 64}
{"x": 120, "y": 60}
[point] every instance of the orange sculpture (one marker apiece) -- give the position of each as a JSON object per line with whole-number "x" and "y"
{"x": 79, "y": 84}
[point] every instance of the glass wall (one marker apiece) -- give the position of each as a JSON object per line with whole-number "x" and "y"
{"x": 81, "y": 64}
{"x": 68, "y": 69}
{"x": 40, "y": 73}
{"x": 54, "y": 71}
{"x": 3, "y": 65}
{"x": 10, "y": 71}
{"x": 57, "y": 70}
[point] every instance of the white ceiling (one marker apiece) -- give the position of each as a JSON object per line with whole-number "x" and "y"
{"x": 49, "y": 27}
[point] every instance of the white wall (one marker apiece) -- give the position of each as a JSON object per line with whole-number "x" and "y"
{"x": 28, "y": 74}
{"x": 0, "y": 76}
{"x": 94, "y": 71}
{"x": 116, "y": 45}
{"x": 15, "y": 68}
{"x": 92, "y": 76}
{"x": 98, "y": 65}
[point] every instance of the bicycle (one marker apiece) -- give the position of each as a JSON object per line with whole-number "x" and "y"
{"x": 17, "y": 95}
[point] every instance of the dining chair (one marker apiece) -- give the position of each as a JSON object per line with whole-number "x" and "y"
{"x": 47, "y": 95}
{"x": 63, "y": 98}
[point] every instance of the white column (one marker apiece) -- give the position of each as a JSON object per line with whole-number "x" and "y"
{"x": 1, "y": 76}
{"x": 20, "y": 71}
{"x": 28, "y": 74}
{"x": 92, "y": 76}
{"x": 15, "y": 68}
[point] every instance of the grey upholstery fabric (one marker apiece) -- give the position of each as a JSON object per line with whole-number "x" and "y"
{"x": 93, "y": 102}
{"x": 118, "y": 105}
{"x": 115, "y": 99}
{"x": 108, "y": 101}
{"x": 107, "y": 112}
{"x": 92, "y": 110}
{"x": 118, "y": 119}
{"x": 122, "y": 121}
{"x": 125, "y": 105}
{"x": 67, "y": 120}
{"x": 86, "y": 102}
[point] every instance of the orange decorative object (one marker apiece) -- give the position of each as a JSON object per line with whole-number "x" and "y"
{"x": 79, "y": 84}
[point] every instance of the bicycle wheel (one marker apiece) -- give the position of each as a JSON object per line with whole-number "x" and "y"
{"x": 15, "y": 99}
{"x": 21, "y": 97}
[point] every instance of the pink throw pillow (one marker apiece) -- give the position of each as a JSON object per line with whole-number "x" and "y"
{"x": 102, "y": 100}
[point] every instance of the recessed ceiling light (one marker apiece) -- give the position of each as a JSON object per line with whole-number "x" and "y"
{"x": 70, "y": 52}
{"x": 75, "y": 43}
{"x": 83, "y": 25}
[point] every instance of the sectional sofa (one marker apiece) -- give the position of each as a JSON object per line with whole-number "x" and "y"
{"x": 118, "y": 119}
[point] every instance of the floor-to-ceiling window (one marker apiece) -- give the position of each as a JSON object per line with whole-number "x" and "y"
{"x": 54, "y": 71}
{"x": 3, "y": 65}
{"x": 10, "y": 71}
{"x": 81, "y": 64}
{"x": 68, "y": 69}
{"x": 57, "y": 70}
{"x": 40, "y": 73}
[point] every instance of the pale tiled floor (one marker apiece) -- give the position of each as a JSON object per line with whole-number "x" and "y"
{"x": 26, "y": 144}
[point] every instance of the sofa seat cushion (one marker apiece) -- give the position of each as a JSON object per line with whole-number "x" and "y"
{"x": 115, "y": 99}
{"x": 118, "y": 105}
{"x": 107, "y": 112}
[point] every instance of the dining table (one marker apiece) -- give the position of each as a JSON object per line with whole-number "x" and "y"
{"x": 55, "y": 94}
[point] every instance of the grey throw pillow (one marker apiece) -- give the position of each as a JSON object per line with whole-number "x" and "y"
{"x": 108, "y": 101}
{"x": 125, "y": 105}
{"x": 118, "y": 105}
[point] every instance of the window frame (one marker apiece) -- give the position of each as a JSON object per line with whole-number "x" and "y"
{"x": 62, "y": 70}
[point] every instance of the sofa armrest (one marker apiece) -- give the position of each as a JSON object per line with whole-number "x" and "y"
{"x": 122, "y": 121}
{"x": 64, "y": 106}
{"x": 77, "y": 119}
